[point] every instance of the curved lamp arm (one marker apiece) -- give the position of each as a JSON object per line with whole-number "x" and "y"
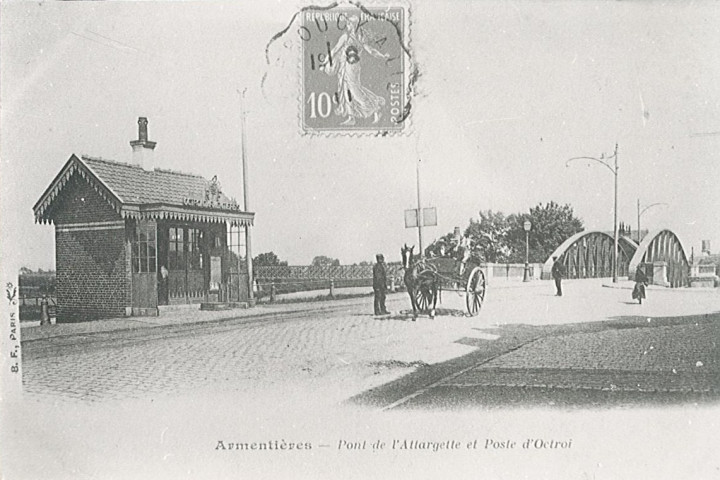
{"x": 601, "y": 162}
{"x": 651, "y": 205}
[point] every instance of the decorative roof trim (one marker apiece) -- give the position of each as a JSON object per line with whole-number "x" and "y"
{"x": 73, "y": 165}
{"x": 172, "y": 212}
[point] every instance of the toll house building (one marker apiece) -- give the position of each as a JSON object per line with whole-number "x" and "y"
{"x": 131, "y": 238}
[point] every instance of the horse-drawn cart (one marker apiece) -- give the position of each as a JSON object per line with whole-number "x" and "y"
{"x": 426, "y": 279}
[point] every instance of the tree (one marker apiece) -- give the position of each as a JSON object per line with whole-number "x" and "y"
{"x": 268, "y": 259}
{"x": 488, "y": 236}
{"x": 323, "y": 261}
{"x": 496, "y": 238}
{"x": 25, "y": 271}
{"x": 552, "y": 224}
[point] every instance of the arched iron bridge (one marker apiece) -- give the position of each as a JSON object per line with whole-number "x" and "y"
{"x": 663, "y": 246}
{"x": 590, "y": 254}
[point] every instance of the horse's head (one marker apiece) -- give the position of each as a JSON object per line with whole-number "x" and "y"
{"x": 406, "y": 253}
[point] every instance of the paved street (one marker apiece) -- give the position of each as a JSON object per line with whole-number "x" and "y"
{"x": 328, "y": 352}
{"x": 151, "y": 398}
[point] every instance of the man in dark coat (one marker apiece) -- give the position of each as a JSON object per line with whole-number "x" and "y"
{"x": 557, "y": 274}
{"x": 380, "y": 285}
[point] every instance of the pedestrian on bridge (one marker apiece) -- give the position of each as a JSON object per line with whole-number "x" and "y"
{"x": 641, "y": 281}
{"x": 557, "y": 274}
{"x": 380, "y": 285}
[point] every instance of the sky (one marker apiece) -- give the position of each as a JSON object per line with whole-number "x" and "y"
{"x": 507, "y": 93}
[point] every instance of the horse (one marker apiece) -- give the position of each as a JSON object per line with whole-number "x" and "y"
{"x": 419, "y": 278}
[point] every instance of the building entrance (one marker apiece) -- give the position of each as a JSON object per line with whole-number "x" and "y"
{"x": 183, "y": 253}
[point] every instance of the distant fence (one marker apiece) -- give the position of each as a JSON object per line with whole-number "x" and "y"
{"x": 283, "y": 279}
{"x": 299, "y": 278}
{"x": 32, "y": 288}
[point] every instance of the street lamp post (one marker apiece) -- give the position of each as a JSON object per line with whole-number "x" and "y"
{"x": 640, "y": 212}
{"x": 527, "y": 226}
{"x": 605, "y": 161}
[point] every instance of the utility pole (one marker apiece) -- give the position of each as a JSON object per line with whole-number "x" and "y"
{"x": 246, "y": 201}
{"x": 419, "y": 210}
{"x": 614, "y": 169}
{"x": 615, "y": 221}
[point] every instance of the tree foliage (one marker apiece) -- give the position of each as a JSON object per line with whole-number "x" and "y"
{"x": 268, "y": 259}
{"x": 497, "y": 238}
{"x": 488, "y": 236}
{"x": 323, "y": 261}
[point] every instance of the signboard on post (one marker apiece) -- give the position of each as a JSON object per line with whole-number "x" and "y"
{"x": 411, "y": 218}
{"x": 429, "y": 217}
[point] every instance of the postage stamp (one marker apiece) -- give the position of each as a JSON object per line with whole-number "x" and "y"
{"x": 355, "y": 65}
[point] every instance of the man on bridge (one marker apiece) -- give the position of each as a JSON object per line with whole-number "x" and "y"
{"x": 557, "y": 274}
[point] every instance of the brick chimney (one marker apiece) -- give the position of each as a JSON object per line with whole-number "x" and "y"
{"x": 143, "y": 148}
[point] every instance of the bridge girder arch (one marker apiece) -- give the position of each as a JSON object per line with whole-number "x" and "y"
{"x": 663, "y": 246}
{"x": 589, "y": 254}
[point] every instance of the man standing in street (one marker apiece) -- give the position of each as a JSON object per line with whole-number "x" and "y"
{"x": 557, "y": 274}
{"x": 380, "y": 285}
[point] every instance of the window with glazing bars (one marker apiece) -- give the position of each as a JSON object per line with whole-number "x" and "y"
{"x": 144, "y": 253}
{"x": 176, "y": 248}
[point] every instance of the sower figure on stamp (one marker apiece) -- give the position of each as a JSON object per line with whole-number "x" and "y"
{"x": 380, "y": 285}
{"x": 354, "y": 99}
{"x": 557, "y": 274}
{"x": 641, "y": 282}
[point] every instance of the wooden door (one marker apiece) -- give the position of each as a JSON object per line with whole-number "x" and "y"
{"x": 177, "y": 272}
{"x": 187, "y": 277}
{"x": 144, "y": 268}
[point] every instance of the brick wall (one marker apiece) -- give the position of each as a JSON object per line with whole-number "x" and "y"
{"x": 92, "y": 265}
{"x": 79, "y": 202}
{"x": 92, "y": 280}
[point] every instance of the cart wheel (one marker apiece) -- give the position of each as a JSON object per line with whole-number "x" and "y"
{"x": 426, "y": 275}
{"x": 423, "y": 297}
{"x": 475, "y": 291}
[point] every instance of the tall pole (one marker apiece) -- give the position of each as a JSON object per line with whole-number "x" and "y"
{"x": 419, "y": 209}
{"x": 246, "y": 200}
{"x": 638, "y": 231}
{"x": 527, "y": 257}
{"x": 615, "y": 226}
{"x": 527, "y": 225}
{"x": 614, "y": 169}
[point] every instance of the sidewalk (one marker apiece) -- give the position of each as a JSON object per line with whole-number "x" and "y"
{"x": 591, "y": 299}
{"x": 183, "y": 315}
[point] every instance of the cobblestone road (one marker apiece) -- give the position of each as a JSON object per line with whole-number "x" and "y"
{"x": 678, "y": 358}
{"x": 327, "y": 355}
{"x": 330, "y": 355}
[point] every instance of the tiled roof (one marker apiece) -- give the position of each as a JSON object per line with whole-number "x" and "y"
{"x": 133, "y": 184}
{"x": 137, "y": 193}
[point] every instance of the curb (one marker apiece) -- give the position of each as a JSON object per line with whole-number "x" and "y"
{"x": 659, "y": 288}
